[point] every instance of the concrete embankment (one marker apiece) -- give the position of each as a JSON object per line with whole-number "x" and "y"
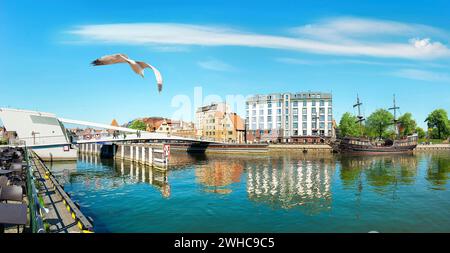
{"x": 433, "y": 147}
{"x": 248, "y": 148}
{"x": 323, "y": 148}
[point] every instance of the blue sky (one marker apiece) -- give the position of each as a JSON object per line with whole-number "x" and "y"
{"x": 374, "y": 49}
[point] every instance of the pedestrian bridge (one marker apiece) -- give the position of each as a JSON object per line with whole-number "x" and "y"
{"x": 130, "y": 134}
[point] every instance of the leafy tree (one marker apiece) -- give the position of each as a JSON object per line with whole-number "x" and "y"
{"x": 138, "y": 125}
{"x": 348, "y": 126}
{"x": 439, "y": 124}
{"x": 407, "y": 125}
{"x": 420, "y": 132}
{"x": 378, "y": 123}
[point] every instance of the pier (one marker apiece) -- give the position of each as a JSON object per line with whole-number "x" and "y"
{"x": 36, "y": 201}
{"x": 152, "y": 154}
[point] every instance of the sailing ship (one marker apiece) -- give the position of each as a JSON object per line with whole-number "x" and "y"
{"x": 363, "y": 145}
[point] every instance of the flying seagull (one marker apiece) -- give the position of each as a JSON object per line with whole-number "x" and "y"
{"x": 137, "y": 66}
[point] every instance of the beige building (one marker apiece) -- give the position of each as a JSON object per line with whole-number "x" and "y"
{"x": 216, "y": 122}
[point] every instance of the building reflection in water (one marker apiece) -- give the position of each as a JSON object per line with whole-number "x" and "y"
{"x": 217, "y": 175}
{"x": 287, "y": 182}
{"x": 98, "y": 174}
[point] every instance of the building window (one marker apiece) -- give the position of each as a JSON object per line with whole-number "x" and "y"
{"x": 313, "y": 110}
{"x": 313, "y": 125}
{"x": 269, "y": 105}
{"x": 295, "y": 111}
{"x": 269, "y": 118}
{"x": 330, "y": 117}
{"x": 261, "y": 125}
{"x": 270, "y": 125}
{"x": 261, "y": 118}
{"x": 279, "y": 118}
{"x": 295, "y": 125}
{"x": 261, "y": 112}
{"x": 322, "y": 103}
{"x": 279, "y": 103}
{"x": 278, "y": 125}
{"x": 304, "y": 132}
{"x": 269, "y": 112}
{"x": 295, "y": 118}
{"x": 322, "y": 117}
{"x": 254, "y": 105}
{"x": 296, "y": 132}
{"x": 287, "y": 111}
{"x": 322, "y": 125}
{"x": 329, "y": 110}
{"x": 304, "y": 111}
{"x": 304, "y": 126}
{"x": 279, "y": 111}
{"x": 287, "y": 104}
{"x": 304, "y": 118}
{"x": 322, "y": 110}
{"x": 330, "y": 125}
{"x": 313, "y": 103}
{"x": 295, "y": 104}
{"x": 304, "y": 102}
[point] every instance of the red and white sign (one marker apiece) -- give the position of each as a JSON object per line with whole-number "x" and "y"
{"x": 66, "y": 148}
{"x": 166, "y": 149}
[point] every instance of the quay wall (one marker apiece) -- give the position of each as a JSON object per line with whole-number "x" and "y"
{"x": 433, "y": 147}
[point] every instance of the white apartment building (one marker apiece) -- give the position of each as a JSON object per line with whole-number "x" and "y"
{"x": 287, "y": 116}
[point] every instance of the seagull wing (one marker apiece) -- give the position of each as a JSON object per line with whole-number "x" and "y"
{"x": 111, "y": 59}
{"x": 158, "y": 76}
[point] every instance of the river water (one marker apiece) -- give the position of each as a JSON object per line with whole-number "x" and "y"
{"x": 278, "y": 192}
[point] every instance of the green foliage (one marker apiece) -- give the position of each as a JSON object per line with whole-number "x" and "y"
{"x": 420, "y": 132}
{"x": 378, "y": 123}
{"x": 349, "y": 127}
{"x": 138, "y": 125}
{"x": 3, "y": 141}
{"x": 407, "y": 125}
{"x": 438, "y": 124}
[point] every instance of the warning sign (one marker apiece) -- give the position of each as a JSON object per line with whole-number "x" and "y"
{"x": 166, "y": 149}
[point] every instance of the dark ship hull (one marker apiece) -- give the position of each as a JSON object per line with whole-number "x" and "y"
{"x": 366, "y": 147}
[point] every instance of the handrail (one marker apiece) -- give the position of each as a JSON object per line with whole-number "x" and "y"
{"x": 83, "y": 223}
{"x": 36, "y": 220}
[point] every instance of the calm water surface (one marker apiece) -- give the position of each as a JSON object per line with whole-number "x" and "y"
{"x": 286, "y": 192}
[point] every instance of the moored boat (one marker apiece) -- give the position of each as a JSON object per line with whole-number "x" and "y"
{"x": 362, "y": 145}
{"x": 366, "y": 146}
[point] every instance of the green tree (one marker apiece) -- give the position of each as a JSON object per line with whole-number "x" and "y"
{"x": 138, "y": 125}
{"x": 420, "y": 132}
{"x": 407, "y": 125}
{"x": 378, "y": 123}
{"x": 348, "y": 126}
{"x": 439, "y": 124}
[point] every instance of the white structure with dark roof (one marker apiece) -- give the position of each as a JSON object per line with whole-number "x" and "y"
{"x": 291, "y": 115}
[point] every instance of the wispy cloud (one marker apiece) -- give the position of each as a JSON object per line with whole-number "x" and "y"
{"x": 354, "y": 37}
{"x": 288, "y": 60}
{"x": 216, "y": 65}
{"x": 422, "y": 75}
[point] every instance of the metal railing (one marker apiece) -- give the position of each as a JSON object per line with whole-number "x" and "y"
{"x": 83, "y": 223}
{"x": 36, "y": 220}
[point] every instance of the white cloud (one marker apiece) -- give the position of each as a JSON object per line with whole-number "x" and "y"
{"x": 316, "y": 38}
{"x": 422, "y": 75}
{"x": 215, "y": 65}
{"x": 344, "y": 27}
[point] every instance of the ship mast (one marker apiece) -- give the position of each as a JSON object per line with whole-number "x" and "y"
{"x": 360, "y": 117}
{"x": 395, "y": 108}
